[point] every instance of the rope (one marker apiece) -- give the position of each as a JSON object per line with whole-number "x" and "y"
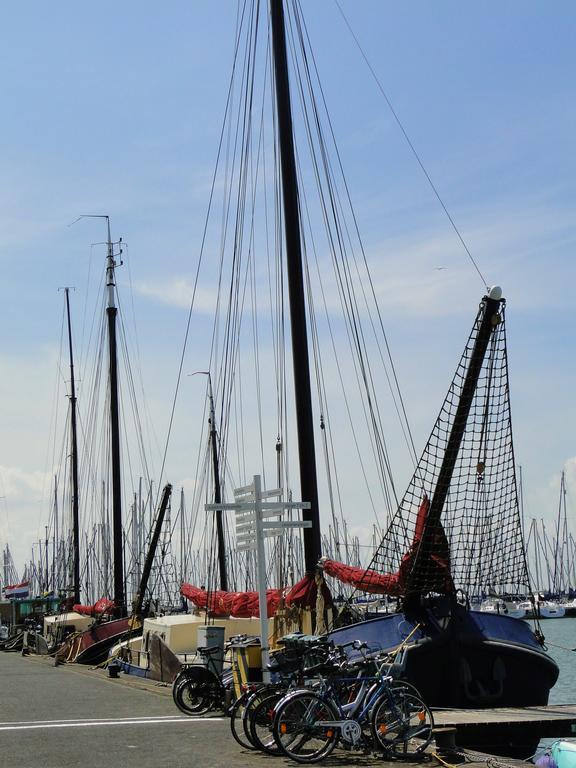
{"x": 411, "y": 146}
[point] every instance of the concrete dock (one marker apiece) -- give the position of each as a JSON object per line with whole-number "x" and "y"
{"x": 72, "y": 716}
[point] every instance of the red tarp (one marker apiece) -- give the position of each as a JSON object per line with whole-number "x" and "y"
{"x": 365, "y": 580}
{"x": 243, "y": 605}
{"x": 436, "y": 572}
{"x": 100, "y": 607}
{"x": 303, "y": 594}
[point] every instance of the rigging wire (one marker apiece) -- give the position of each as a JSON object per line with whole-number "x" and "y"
{"x": 393, "y": 384}
{"x": 411, "y": 145}
{"x": 335, "y": 228}
{"x": 198, "y": 267}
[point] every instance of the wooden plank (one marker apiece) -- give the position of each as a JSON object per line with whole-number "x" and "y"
{"x": 560, "y": 713}
{"x": 519, "y": 723}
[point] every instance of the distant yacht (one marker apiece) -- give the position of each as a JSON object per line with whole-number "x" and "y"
{"x": 507, "y": 608}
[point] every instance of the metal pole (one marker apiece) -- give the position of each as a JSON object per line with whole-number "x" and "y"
{"x": 261, "y": 570}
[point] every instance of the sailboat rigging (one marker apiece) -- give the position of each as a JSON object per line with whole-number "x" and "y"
{"x": 93, "y": 644}
{"x": 441, "y": 542}
{"x": 217, "y": 492}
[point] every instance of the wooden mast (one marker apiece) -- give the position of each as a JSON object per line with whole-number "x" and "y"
{"x": 74, "y": 477}
{"x": 217, "y": 492}
{"x": 111, "y": 312}
{"x": 300, "y": 358}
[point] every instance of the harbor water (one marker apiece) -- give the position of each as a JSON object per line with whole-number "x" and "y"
{"x": 560, "y": 637}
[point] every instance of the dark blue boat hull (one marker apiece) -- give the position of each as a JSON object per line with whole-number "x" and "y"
{"x": 465, "y": 659}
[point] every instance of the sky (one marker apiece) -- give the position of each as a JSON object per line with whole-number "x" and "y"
{"x": 118, "y": 108}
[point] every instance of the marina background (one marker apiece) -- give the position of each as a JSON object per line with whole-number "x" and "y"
{"x": 118, "y": 112}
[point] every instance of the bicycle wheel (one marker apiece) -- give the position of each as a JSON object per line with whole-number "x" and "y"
{"x": 403, "y": 685}
{"x": 401, "y": 723}
{"x": 196, "y": 692}
{"x": 303, "y": 727}
{"x": 253, "y": 701}
{"x": 236, "y": 726}
{"x": 261, "y": 720}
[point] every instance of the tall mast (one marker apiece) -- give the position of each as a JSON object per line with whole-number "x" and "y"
{"x": 300, "y": 359}
{"x": 56, "y": 549}
{"x": 112, "y": 311}
{"x": 46, "y": 565}
{"x": 217, "y": 492}
{"x": 182, "y": 539}
{"x": 74, "y": 478}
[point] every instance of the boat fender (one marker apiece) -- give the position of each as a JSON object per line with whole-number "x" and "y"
{"x": 546, "y": 761}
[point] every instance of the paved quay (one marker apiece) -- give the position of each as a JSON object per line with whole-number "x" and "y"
{"x": 65, "y": 716}
{"x": 69, "y": 716}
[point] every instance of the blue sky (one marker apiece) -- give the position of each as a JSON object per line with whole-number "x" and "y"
{"x": 117, "y": 109}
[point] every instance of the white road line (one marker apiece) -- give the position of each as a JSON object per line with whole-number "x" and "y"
{"x": 98, "y": 719}
{"x": 44, "y": 724}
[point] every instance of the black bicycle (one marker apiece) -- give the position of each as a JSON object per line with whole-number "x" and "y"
{"x": 200, "y": 688}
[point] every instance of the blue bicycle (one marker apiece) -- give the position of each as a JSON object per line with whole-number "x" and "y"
{"x": 381, "y": 713}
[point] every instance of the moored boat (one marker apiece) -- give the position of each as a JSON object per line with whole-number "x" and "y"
{"x": 461, "y": 499}
{"x": 498, "y": 606}
{"x": 549, "y": 609}
{"x": 457, "y": 530}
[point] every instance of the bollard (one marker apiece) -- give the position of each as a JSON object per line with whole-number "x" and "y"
{"x": 113, "y": 670}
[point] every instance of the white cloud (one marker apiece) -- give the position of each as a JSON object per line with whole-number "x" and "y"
{"x": 20, "y": 484}
{"x": 178, "y": 292}
{"x": 570, "y": 470}
{"x": 429, "y": 273}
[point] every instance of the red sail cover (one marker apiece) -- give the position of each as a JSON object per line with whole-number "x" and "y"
{"x": 100, "y": 607}
{"x": 244, "y": 605}
{"x": 241, "y": 605}
{"x": 363, "y": 579}
{"x": 437, "y": 578}
{"x": 303, "y": 594}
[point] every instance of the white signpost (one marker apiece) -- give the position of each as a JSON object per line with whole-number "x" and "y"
{"x": 253, "y": 525}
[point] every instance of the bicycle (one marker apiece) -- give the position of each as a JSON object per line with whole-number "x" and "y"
{"x": 328, "y": 660}
{"x": 236, "y": 714}
{"x": 289, "y": 666}
{"x": 197, "y": 688}
{"x": 308, "y": 725}
{"x": 255, "y": 709}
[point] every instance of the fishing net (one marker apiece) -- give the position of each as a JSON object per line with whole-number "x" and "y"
{"x": 458, "y": 526}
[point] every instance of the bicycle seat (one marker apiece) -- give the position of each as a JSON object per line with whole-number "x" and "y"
{"x": 207, "y": 650}
{"x": 320, "y": 669}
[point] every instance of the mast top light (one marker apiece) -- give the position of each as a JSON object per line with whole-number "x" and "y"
{"x": 495, "y": 292}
